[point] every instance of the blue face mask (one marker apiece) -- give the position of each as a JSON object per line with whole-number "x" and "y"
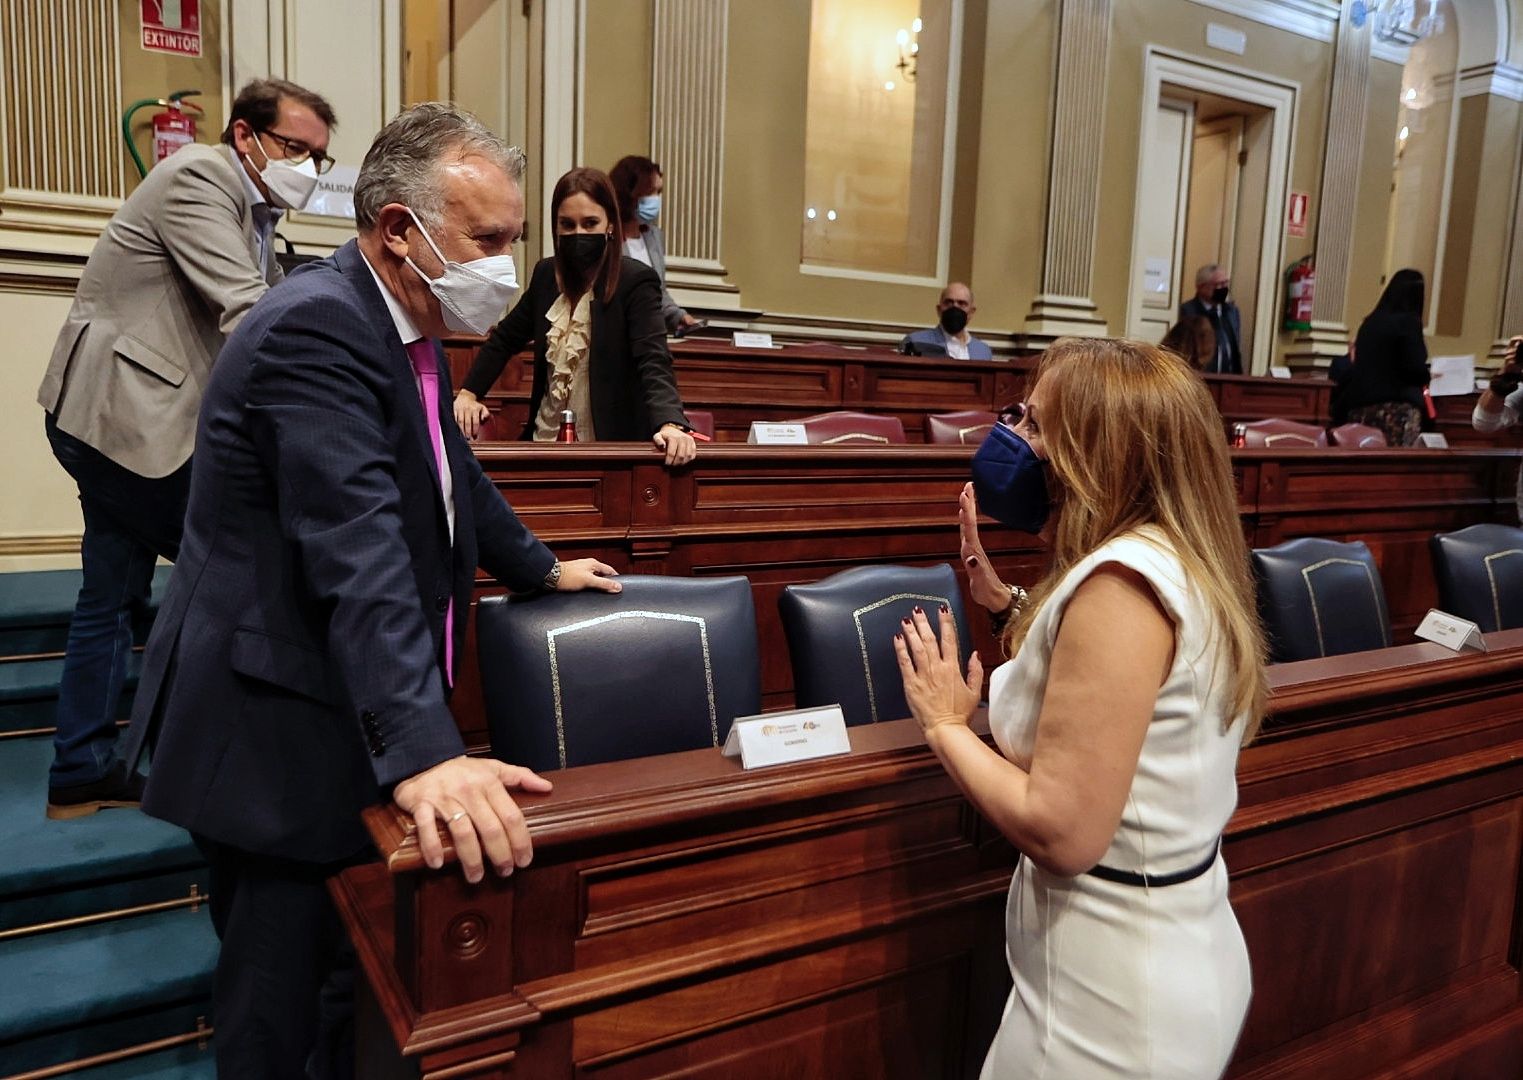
{"x": 648, "y": 208}
{"x": 1010, "y": 481}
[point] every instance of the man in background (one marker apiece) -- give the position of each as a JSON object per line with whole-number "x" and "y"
{"x": 1501, "y": 403}
{"x": 949, "y": 337}
{"x": 1213, "y": 286}
{"x": 176, "y": 269}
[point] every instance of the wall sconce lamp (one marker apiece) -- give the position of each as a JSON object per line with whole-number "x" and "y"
{"x": 909, "y": 49}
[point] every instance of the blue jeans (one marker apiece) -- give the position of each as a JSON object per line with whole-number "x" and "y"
{"x": 130, "y": 521}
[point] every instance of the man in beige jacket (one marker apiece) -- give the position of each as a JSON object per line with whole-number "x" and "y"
{"x": 177, "y": 268}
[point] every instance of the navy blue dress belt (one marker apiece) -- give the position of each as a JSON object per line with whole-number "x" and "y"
{"x": 1156, "y": 881}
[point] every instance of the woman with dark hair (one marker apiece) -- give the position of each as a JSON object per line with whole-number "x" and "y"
{"x": 1385, "y": 384}
{"x": 637, "y": 184}
{"x": 599, "y": 346}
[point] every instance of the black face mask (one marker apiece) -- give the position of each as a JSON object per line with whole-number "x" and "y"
{"x": 953, "y": 320}
{"x": 582, "y": 251}
{"x": 1219, "y": 295}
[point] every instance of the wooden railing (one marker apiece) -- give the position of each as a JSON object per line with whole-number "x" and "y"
{"x": 785, "y": 515}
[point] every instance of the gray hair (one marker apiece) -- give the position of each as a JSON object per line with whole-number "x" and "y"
{"x": 1203, "y": 275}
{"x": 402, "y": 164}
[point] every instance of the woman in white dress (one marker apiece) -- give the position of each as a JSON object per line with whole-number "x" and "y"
{"x": 1137, "y": 674}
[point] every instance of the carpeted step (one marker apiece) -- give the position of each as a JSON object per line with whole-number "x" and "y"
{"x": 75, "y": 993}
{"x": 110, "y": 860}
{"x": 188, "y": 1062}
{"x": 29, "y": 692}
{"x": 35, "y": 607}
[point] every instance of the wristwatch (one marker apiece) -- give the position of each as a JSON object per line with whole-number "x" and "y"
{"x": 553, "y": 578}
{"x": 998, "y": 620}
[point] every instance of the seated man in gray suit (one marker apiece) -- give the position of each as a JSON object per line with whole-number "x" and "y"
{"x": 1212, "y": 286}
{"x": 174, "y": 272}
{"x": 949, "y": 337}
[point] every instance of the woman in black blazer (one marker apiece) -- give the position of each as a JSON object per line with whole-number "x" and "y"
{"x": 599, "y": 338}
{"x": 1385, "y": 385}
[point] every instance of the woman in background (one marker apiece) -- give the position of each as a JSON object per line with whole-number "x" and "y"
{"x": 638, "y": 184}
{"x": 1385, "y": 385}
{"x": 1138, "y": 673}
{"x": 599, "y": 347}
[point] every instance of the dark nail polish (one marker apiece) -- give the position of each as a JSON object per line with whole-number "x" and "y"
{"x": 906, "y": 620}
{"x": 919, "y": 610}
{"x": 972, "y": 560}
{"x": 945, "y": 609}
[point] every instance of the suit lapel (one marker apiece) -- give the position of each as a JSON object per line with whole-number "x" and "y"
{"x": 353, "y": 266}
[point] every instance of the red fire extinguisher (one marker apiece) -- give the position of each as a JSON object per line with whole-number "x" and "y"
{"x": 1300, "y": 285}
{"x": 173, "y": 128}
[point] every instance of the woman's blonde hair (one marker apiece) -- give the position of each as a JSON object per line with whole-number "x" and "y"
{"x": 1134, "y": 439}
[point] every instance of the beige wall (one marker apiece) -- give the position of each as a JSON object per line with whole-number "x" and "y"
{"x": 617, "y": 82}
{"x": 999, "y": 195}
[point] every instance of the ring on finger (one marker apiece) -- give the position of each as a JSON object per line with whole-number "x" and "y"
{"x": 456, "y": 816}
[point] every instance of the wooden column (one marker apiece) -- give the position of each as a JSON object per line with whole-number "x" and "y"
{"x": 1343, "y": 153}
{"x": 1064, "y": 307}
{"x": 688, "y": 64}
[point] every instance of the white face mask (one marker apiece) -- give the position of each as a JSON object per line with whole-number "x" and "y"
{"x": 290, "y": 185}
{"x": 471, "y": 295}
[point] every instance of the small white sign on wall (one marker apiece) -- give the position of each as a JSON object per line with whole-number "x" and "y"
{"x": 1226, "y": 39}
{"x": 1155, "y": 281}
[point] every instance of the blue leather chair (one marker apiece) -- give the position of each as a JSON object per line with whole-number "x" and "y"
{"x": 841, "y": 635}
{"x": 578, "y": 678}
{"x": 1320, "y": 598}
{"x": 1480, "y": 575}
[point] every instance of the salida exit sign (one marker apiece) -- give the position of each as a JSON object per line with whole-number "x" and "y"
{"x": 172, "y": 26}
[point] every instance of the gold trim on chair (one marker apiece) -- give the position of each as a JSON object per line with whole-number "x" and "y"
{"x": 555, "y": 674}
{"x": 856, "y": 618}
{"x": 1496, "y": 601}
{"x": 1316, "y": 615}
{"x": 963, "y": 433}
{"x": 854, "y": 435}
{"x": 1290, "y": 436}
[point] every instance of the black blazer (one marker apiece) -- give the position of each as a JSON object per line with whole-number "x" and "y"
{"x": 294, "y": 670}
{"x": 1231, "y": 319}
{"x": 633, "y": 388}
{"x": 1390, "y": 361}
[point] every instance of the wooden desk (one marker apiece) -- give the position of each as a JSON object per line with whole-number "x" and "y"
{"x": 844, "y": 918}
{"x": 742, "y": 385}
{"x": 785, "y": 515}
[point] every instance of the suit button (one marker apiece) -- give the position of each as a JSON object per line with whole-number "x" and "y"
{"x": 368, "y": 716}
{"x": 441, "y": 604}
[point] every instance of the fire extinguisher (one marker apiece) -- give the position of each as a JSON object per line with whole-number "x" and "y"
{"x": 1300, "y": 284}
{"x": 173, "y": 128}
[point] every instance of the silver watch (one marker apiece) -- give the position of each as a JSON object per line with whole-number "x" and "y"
{"x": 553, "y": 578}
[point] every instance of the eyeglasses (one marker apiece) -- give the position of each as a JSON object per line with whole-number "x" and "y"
{"x": 297, "y": 151}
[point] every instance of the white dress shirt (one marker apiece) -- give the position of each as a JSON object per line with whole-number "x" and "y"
{"x": 408, "y": 332}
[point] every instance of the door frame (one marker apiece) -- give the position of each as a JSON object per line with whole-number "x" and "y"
{"x": 1281, "y": 97}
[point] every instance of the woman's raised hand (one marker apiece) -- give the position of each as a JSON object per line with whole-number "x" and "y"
{"x": 987, "y": 589}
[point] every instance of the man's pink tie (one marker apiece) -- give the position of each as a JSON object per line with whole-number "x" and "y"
{"x": 425, "y": 365}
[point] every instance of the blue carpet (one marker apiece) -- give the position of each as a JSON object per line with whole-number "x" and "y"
{"x": 71, "y": 978}
{"x": 35, "y": 608}
{"x": 29, "y": 692}
{"x": 116, "y": 853}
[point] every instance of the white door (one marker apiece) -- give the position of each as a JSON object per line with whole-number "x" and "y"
{"x": 1163, "y": 191}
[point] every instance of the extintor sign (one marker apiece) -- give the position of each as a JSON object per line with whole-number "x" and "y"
{"x": 172, "y": 26}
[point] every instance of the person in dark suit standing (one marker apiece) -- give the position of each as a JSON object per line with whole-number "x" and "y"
{"x": 1213, "y": 286}
{"x": 1385, "y": 384}
{"x": 301, "y": 663}
{"x": 594, "y": 315}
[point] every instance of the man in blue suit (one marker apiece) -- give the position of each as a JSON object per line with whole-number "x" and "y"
{"x": 300, "y": 665}
{"x": 1213, "y": 286}
{"x": 949, "y": 337}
